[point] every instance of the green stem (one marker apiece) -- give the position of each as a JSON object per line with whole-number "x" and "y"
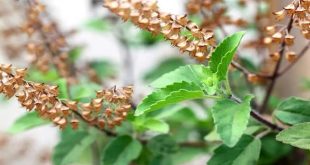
{"x": 228, "y": 88}
{"x": 95, "y": 154}
{"x": 213, "y": 97}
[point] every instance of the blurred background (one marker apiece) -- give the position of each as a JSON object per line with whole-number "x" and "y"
{"x": 133, "y": 62}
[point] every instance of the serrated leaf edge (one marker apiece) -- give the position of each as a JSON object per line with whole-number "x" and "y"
{"x": 138, "y": 113}
{"x": 217, "y": 49}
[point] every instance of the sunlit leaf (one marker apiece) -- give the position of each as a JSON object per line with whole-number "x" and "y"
{"x": 231, "y": 119}
{"x": 169, "y": 95}
{"x": 28, "y": 121}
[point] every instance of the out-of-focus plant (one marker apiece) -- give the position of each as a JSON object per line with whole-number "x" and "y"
{"x": 212, "y": 108}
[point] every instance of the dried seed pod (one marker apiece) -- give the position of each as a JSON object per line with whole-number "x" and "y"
{"x": 279, "y": 15}
{"x": 277, "y": 37}
{"x": 72, "y": 105}
{"x": 306, "y": 34}
{"x": 7, "y": 68}
{"x": 305, "y": 25}
{"x": 270, "y": 30}
{"x": 108, "y": 112}
{"x": 267, "y": 40}
{"x": 275, "y": 56}
{"x": 101, "y": 123}
{"x": 289, "y": 39}
{"x": 253, "y": 78}
{"x": 290, "y": 56}
{"x": 290, "y": 9}
{"x": 87, "y": 106}
{"x": 111, "y": 124}
{"x": 300, "y": 12}
{"x": 62, "y": 123}
{"x": 74, "y": 123}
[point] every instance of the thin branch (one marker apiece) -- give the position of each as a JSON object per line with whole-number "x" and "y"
{"x": 95, "y": 153}
{"x": 276, "y": 70}
{"x": 259, "y": 117}
{"x": 300, "y": 55}
{"x": 264, "y": 121}
{"x": 247, "y": 72}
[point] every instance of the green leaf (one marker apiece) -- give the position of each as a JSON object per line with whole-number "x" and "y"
{"x": 103, "y": 68}
{"x": 273, "y": 150}
{"x": 121, "y": 151}
{"x": 166, "y": 112}
{"x": 138, "y": 38}
{"x": 231, "y": 119}
{"x": 71, "y": 147}
{"x": 62, "y": 88}
{"x": 189, "y": 73}
{"x": 153, "y": 125}
{"x": 163, "y": 67}
{"x": 161, "y": 160}
{"x": 169, "y": 95}
{"x": 26, "y": 122}
{"x": 149, "y": 39}
{"x": 162, "y": 145}
{"x": 83, "y": 91}
{"x": 293, "y": 111}
{"x": 75, "y": 53}
{"x": 212, "y": 137}
{"x": 184, "y": 114}
{"x": 187, "y": 154}
{"x": 196, "y": 19}
{"x": 297, "y": 135}
{"x": 306, "y": 84}
{"x": 38, "y": 76}
{"x": 199, "y": 75}
{"x": 224, "y": 53}
{"x": 246, "y": 152}
{"x": 253, "y": 129}
{"x": 98, "y": 25}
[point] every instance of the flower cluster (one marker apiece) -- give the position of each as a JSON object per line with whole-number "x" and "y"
{"x": 146, "y": 15}
{"x": 107, "y": 110}
{"x": 11, "y": 38}
{"x": 48, "y": 45}
{"x": 214, "y": 13}
{"x": 299, "y": 12}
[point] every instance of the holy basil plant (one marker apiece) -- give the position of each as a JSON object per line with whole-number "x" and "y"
{"x": 197, "y": 82}
{"x": 237, "y": 130}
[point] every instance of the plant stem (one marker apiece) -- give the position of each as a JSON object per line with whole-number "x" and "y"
{"x": 95, "y": 153}
{"x": 227, "y": 85}
{"x": 274, "y": 77}
{"x": 300, "y": 55}
{"x": 247, "y": 72}
{"x": 127, "y": 62}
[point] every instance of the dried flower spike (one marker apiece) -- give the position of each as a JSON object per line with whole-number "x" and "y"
{"x": 44, "y": 100}
{"x": 145, "y": 14}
